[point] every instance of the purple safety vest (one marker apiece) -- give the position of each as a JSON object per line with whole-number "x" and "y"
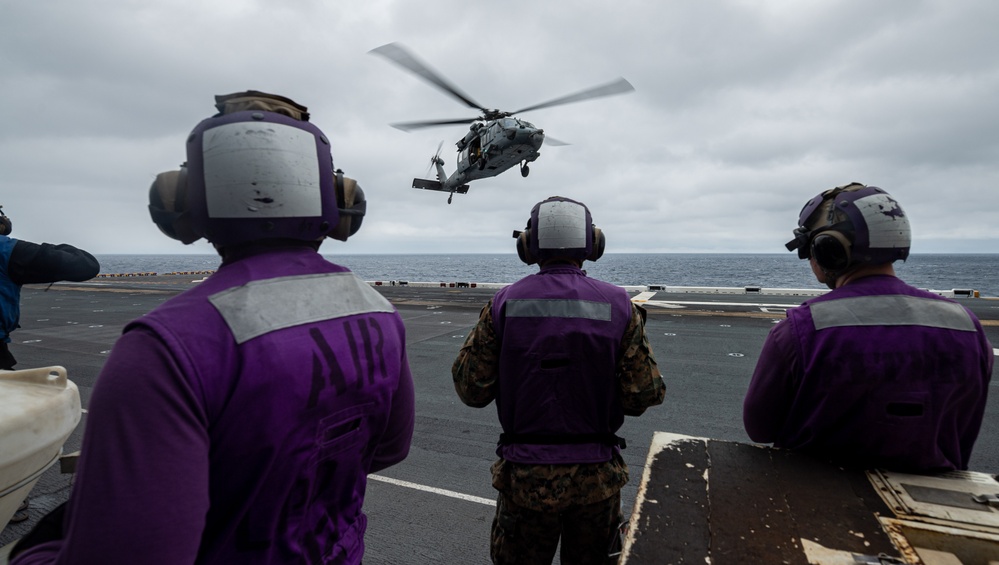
{"x": 295, "y": 361}
{"x": 893, "y": 376}
{"x": 560, "y": 338}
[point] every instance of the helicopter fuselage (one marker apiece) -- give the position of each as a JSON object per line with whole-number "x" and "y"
{"x": 491, "y": 147}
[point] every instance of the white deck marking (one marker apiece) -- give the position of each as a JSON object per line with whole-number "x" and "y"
{"x": 995, "y": 352}
{"x": 692, "y": 303}
{"x": 661, "y": 304}
{"x": 643, "y": 296}
{"x": 424, "y": 488}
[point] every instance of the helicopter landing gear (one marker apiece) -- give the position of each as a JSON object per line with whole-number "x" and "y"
{"x": 524, "y": 169}
{"x": 449, "y": 197}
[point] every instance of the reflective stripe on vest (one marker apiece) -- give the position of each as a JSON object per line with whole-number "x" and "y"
{"x": 260, "y": 307}
{"x": 894, "y": 310}
{"x": 558, "y": 308}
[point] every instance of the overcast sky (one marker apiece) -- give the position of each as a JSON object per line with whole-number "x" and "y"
{"x": 742, "y": 112}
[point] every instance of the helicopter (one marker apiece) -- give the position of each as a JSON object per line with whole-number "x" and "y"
{"x": 496, "y": 140}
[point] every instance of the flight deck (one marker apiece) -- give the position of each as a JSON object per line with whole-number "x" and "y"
{"x": 437, "y": 505}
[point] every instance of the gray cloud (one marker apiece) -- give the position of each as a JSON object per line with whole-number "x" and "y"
{"x": 742, "y": 112}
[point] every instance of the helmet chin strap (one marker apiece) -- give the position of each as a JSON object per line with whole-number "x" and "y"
{"x": 846, "y": 275}
{"x": 831, "y": 279}
{"x": 829, "y": 276}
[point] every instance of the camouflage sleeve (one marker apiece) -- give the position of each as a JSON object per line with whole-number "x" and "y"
{"x": 641, "y": 384}
{"x": 477, "y": 366}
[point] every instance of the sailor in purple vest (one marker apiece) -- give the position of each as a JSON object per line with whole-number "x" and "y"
{"x": 566, "y": 358}
{"x": 238, "y": 421}
{"x": 875, "y": 373}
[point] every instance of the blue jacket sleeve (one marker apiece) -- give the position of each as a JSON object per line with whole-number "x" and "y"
{"x": 32, "y": 263}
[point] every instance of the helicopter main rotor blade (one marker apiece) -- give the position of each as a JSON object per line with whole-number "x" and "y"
{"x": 400, "y": 56}
{"x": 410, "y": 126}
{"x": 619, "y": 86}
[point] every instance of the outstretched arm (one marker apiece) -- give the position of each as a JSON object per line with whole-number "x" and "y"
{"x": 46, "y": 263}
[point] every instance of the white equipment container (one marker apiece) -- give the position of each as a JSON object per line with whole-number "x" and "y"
{"x": 39, "y": 409}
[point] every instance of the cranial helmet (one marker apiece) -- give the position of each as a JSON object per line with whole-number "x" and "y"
{"x": 256, "y": 174}
{"x": 851, "y": 225}
{"x": 559, "y": 228}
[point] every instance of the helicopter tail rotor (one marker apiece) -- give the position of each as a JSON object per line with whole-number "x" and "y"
{"x": 435, "y": 160}
{"x": 442, "y": 178}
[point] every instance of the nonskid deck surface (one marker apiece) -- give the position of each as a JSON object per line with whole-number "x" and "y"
{"x": 437, "y": 505}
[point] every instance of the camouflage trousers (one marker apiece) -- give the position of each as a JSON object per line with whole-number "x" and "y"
{"x": 526, "y": 537}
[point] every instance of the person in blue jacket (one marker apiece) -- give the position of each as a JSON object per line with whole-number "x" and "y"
{"x": 23, "y": 262}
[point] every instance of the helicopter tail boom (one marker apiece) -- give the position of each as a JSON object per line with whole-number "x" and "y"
{"x": 426, "y": 184}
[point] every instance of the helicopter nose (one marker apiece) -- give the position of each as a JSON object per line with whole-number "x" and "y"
{"x": 537, "y": 138}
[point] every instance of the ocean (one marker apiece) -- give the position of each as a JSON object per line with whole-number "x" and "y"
{"x": 931, "y": 271}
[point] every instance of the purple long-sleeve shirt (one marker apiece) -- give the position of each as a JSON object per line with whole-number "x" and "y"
{"x": 876, "y": 374}
{"x": 237, "y": 422}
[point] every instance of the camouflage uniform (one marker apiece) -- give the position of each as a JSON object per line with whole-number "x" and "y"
{"x": 524, "y": 536}
{"x": 538, "y": 504}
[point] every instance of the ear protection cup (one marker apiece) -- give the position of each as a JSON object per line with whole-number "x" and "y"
{"x": 524, "y": 246}
{"x": 352, "y": 205}
{"x": 598, "y": 244}
{"x": 831, "y": 250}
{"x": 168, "y": 206}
